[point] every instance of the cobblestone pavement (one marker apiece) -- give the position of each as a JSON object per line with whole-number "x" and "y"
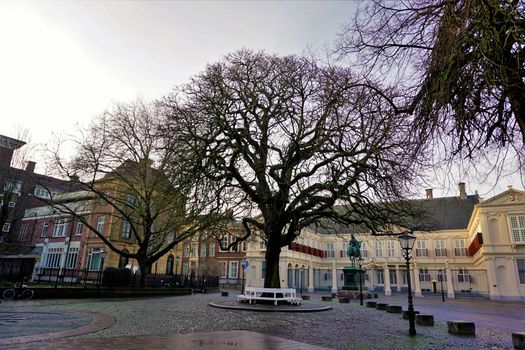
{"x": 346, "y": 326}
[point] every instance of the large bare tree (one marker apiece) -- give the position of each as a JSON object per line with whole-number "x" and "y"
{"x": 458, "y": 66}
{"x": 291, "y": 144}
{"x": 126, "y": 171}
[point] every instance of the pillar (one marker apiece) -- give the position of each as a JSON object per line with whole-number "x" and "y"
{"x": 386, "y": 275}
{"x": 450, "y": 284}
{"x": 310, "y": 279}
{"x": 417, "y": 283}
{"x": 334, "y": 278}
{"x": 399, "y": 276}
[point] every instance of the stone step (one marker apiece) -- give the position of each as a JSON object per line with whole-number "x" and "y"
{"x": 461, "y": 327}
{"x": 518, "y": 340}
{"x": 425, "y": 320}
{"x": 394, "y": 309}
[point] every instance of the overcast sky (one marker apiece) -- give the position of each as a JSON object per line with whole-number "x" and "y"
{"x": 62, "y": 63}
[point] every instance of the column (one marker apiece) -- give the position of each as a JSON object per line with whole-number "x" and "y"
{"x": 283, "y": 274}
{"x": 310, "y": 279}
{"x": 386, "y": 275}
{"x": 399, "y": 276}
{"x": 417, "y": 284}
{"x": 334, "y": 278}
{"x": 450, "y": 284}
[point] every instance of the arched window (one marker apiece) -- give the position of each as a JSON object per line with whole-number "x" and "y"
{"x": 123, "y": 261}
{"x": 169, "y": 265}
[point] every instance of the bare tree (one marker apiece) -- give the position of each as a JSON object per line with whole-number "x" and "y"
{"x": 126, "y": 171}
{"x": 458, "y": 68}
{"x": 291, "y": 144}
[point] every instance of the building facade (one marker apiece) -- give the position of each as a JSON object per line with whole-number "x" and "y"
{"x": 477, "y": 249}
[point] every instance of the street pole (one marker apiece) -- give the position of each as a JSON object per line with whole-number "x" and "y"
{"x": 360, "y": 284}
{"x": 411, "y": 323}
{"x": 442, "y": 290}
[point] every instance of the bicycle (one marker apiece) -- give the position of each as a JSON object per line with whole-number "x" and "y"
{"x": 18, "y": 292}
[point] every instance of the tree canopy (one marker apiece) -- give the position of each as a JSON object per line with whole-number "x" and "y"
{"x": 458, "y": 66}
{"x": 288, "y": 142}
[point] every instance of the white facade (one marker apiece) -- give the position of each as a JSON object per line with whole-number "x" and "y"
{"x": 454, "y": 262}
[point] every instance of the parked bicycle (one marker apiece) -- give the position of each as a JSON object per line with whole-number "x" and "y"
{"x": 18, "y": 292}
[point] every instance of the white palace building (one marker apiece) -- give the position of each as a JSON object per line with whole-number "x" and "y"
{"x": 477, "y": 249}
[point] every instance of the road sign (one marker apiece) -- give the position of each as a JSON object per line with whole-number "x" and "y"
{"x": 245, "y": 264}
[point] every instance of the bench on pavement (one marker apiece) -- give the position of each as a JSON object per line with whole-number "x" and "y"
{"x": 253, "y": 294}
{"x": 461, "y": 327}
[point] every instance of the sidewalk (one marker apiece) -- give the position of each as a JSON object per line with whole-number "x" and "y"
{"x": 189, "y": 322}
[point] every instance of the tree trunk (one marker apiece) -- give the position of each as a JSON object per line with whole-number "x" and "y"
{"x": 144, "y": 270}
{"x": 273, "y": 251}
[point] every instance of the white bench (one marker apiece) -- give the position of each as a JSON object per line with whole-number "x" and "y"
{"x": 252, "y": 294}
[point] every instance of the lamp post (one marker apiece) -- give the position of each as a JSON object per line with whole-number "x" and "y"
{"x": 442, "y": 290}
{"x": 407, "y": 243}
{"x": 100, "y": 271}
{"x": 301, "y": 271}
{"x": 360, "y": 264}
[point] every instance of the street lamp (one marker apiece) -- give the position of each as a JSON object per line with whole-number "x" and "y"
{"x": 407, "y": 244}
{"x": 360, "y": 264}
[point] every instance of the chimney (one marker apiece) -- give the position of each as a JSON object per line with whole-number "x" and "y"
{"x": 30, "y": 167}
{"x": 429, "y": 193}
{"x": 462, "y": 191}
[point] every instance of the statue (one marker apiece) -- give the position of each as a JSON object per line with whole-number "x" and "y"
{"x": 354, "y": 249}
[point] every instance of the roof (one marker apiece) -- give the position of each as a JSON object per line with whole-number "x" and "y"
{"x": 434, "y": 214}
{"x": 448, "y": 213}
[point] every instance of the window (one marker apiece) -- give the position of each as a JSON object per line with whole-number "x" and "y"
{"x": 203, "y": 249}
{"x": 223, "y": 244}
{"x": 79, "y": 228}
{"x": 380, "y": 277}
{"x": 41, "y": 192}
{"x": 379, "y": 248}
{"x": 185, "y": 268}
{"x": 330, "y": 253}
{"x": 405, "y": 277}
{"x": 71, "y": 258}
{"x": 11, "y": 204}
{"x": 393, "y": 277}
{"x": 23, "y": 232}
{"x": 233, "y": 269}
{"x": 60, "y": 228}
{"x": 235, "y": 247}
{"x": 224, "y": 269}
{"x": 53, "y": 258}
{"x": 126, "y": 229}
{"x": 45, "y": 226}
{"x": 459, "y": 249}
{"x": 211, "y": 251}
{"x": 421, "y": 248}
{"x": 440, "y": 248}
{"x": 131, "y": 199}
{"x": 441, "y": 276}
{"x": 13, "y": 186}
{"x": 169, "y": 265}
{"x": 95, "y": 260}
{"x": 123, "y": 260}
{"x": 186, "y": 250}
{"x": 100, "y": 224}
{"x": 6, "y": 227}
{"x": 463, "y": 276}
{"x": 194, "y": 249}
{"x": 424, "y": 275}
{"x": 517, "y": 227}
{"x": 364, "y": 252}
{"x": 521, "y": 270}
{"x": 390, "y": 248}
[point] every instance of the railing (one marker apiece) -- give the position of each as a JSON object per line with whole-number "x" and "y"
{"x": 127, "y": 279}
